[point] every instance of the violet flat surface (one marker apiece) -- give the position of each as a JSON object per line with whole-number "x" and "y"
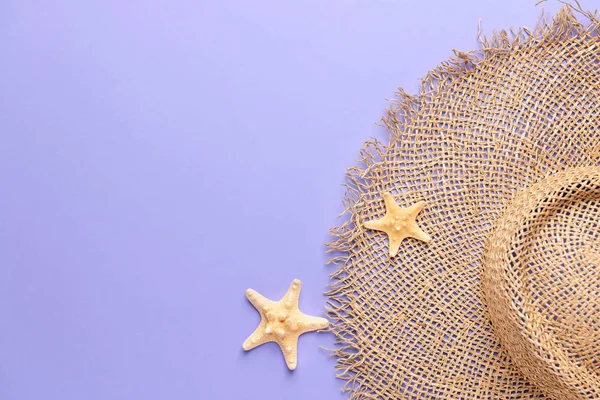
{"x": 159, "y": 157}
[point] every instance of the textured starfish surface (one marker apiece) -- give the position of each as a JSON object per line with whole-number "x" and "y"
{"x": 282, "y": 322}
{"x": 399, "y": 223}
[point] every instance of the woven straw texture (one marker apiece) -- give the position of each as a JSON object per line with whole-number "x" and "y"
{"x": 542, "y": 283}
{"x": 486, "y": 124}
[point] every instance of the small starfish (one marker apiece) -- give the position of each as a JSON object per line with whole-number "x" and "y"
{"x": 282, "y": 322}
{"x": 399, "y": 223}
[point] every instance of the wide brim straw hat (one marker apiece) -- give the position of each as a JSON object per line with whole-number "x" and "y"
{"x": 503, "y": 146}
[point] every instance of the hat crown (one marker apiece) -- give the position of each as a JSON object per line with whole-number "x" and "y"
{"x": 541, "y": 280}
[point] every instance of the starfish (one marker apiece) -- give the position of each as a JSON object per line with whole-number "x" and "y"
{"x": 399, "y": 223}
{"x": 282, "y": 322}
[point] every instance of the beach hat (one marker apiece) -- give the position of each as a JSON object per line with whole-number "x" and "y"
{"x": 501, "y": 153}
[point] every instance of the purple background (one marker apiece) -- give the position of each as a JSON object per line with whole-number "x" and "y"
{"x": 158, "y": 157}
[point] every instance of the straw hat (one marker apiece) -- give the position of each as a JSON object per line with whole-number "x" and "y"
{"x": 502, "y": 145}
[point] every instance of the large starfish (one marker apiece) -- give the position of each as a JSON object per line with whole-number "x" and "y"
{"x": 282, "y": 322}
{"x": 399, "y": 223}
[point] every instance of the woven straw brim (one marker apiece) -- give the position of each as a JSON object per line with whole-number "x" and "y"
{"x": 542, "y": 283}
{"x": 486, "y": 124}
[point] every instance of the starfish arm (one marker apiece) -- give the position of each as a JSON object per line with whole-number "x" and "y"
{"x": 258, "y": 301}
{"x": 418, "y": 233}
{"x": 376, "y": 224}
{"x": 289, "y": 348}
{"x": 416, "y": 208}
{"x": 395, "y": 241}
{"x": 257, "y": 338}
{"x": 309, "y": 323}
{"x": 291, "y": 297}
{"x": 390, "y": 203}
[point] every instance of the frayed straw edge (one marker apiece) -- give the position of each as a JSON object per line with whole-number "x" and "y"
{"x": 340, "y": 306}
